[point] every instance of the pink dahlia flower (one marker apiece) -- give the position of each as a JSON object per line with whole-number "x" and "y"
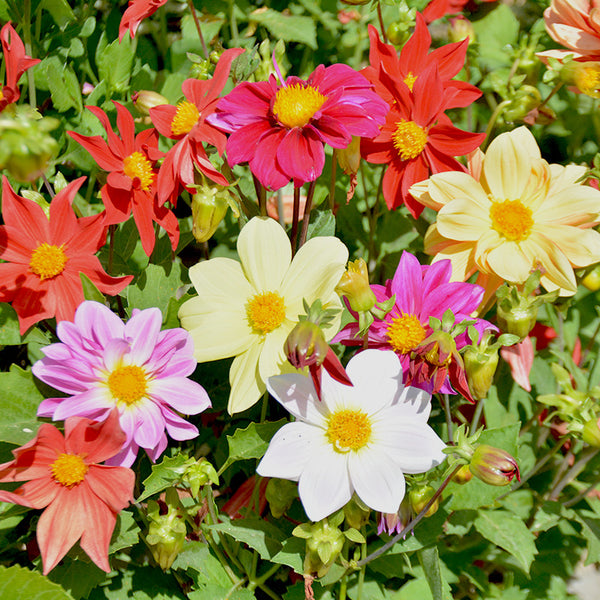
{"x": 422, "y": 291}
{"x": 280, "y": 129}
{"x": 104, "y": 363}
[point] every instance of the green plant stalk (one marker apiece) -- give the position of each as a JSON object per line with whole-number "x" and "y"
{"x": 449, "y": 419}
{"x": 307, "y": 210}
{"x": 198, "y": 28}
{"x": 582, "y": 494}
{"x": 381, "y": 23}
{"x": 295, "y": 219}
{"x": 476, "y": 416}
{"x": 28, "y": 50}
{"x": 332, "y": 180}
{"x": 492, "y": 122}
{"x": 587, "y": 455}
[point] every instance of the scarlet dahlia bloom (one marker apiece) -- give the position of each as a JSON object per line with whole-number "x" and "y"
{"x": 280, "y": 129}
{"x": 131, "y": 182}
{"x": 81, "y": 497}
{"x": 45, "y": 256}
{"x": 187, "y": 124}
{"x": 437, "y": 9}
{"x": 16, "y": 63}
{"x": 417, "y": 138}
{"x": 136, "y": 12}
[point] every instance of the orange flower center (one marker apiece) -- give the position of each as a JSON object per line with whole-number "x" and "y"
{"x": 409, "y": 139}
{"x": 69, "y": 469}
{"x": 511, "y": 219}
{"x": 405, "y": 333}
{"x": 266, "y": 311}
{"x": 295, "y": 105}
{"x": 409, "y": 80}
{"x": 1, "y": 95}
{"x": 185, "y": 118}
{"x": 128, "y": 384}
{"x": 48, "y": 261}
{"x": 137, "y": 167}
{"x": 349, "y": 429}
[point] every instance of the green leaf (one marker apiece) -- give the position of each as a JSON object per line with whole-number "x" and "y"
{"x": 19, "y": 583}
{"x": 165, "y": 474}
{"x": 90, "y": 291}
{"x": 355, "y": 536}
{"x": 215, "y": 592}
{"x": 132, "y": 585}
{"x": 126, "y": 533}
{"x": 286, "y": 27}
{"x": 251, "y": 442}
{"x": 9, "y": 329}
{"x": 430, "y": 561}
{"x": 79, "y": 577}
{"x": 260, "y": 535}
{"x": 114, "y": 62}
{"x": 19, "y": 402}
{"x": 197, "y": 556}
{"x": 291, "y": 554}
{"x": 63, "y": 85}
{"x": 509, "y": 532}
{"x": 322, "y": 223}
{"x": 498, "y": 28}
{"x": 60, "y": 10}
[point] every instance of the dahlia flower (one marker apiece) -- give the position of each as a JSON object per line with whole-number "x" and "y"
{"x": 45, "y": 256}
{"x": 16, "y": 62}
{"x": 280, "y": 128}
{"x": 523, "y": 214}
{"x": 80, "y": 497}
{"x": 136, "y": 12}
{"x": 103, "y": 363}
{"x": 247, "y": 310}
{"x": 359, "y": 439}
{"x": 436, "y": 9}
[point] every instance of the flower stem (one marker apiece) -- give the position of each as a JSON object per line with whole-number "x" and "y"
{"x": 586, "y": 456}
{"x": 198, "y": 28}
{"x": 492, "y": 122}
{"x": 261, "y": 196}
{"x": 332, "y": 180}
{"x": 449, "y": 419}
{"x": 307, "y": 209}
{"x": 295, "y": 218}
{"x": 381, "y": 24}
{"x": 476, "y": 416}
{"x": 28, "y": 50}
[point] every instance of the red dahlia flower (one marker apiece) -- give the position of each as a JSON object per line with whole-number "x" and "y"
{"x": 81, "y": 497}
{"x": 437, "y": 9}
{"x": 280, "y": 129}
{"x": 16, "y": 63}
{"x": 136, "y": 12}
{"x": 187, "y": 124}
{"x": 45, "y": 256}
{"x": 417, "y": 138}
{"x": 131, "y": 182}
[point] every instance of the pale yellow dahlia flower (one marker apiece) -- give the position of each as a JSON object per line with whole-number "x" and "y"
{"x": 514, "y": 215}
{"x": 247, "y": 309}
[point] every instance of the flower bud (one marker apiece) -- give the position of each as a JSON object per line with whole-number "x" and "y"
{"x": 526, "y": 99}
{"x": 354, "y": 285}
{"x": 199, "y": 474}
{"x": 419, "y": 497}
{"x": 517, "y": 320}
{"x": 322, "y": 547}
{"x": 209, "y": 205}
{"x": 585, "y": 76}
{"x": 144, "y": 100}
{"x": 494, "y": 466}
{"x": 166, "y": 532}
{"x": 460, "y": 29}
{"x": 392, "y": 523}
{"x": 356, "y": 513}
{"x": 280, "y": 494}
{"x": 306, "y": 345}
{"x": 590, "y": 433}
{"x": 463, "y": 475}
{"x": 480, "y": 367}
{"x": 349, "y": 157}
{"x": 592, "y": 280}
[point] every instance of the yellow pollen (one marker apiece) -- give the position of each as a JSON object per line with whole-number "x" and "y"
{"x": 128, "y": 384}
{"x": 511, "y": 219}
{"x": 349, "y": 430}
{"x": 409, "y": 139}
{"x": 48, "y": 261}
{"x": 265, "y": 311}
{"x": 137, "y": 166}
{"x": 1, "y": 95}
{"x": 405, "y": 333}
{"x": 295, "y": 105}
{"x": 185, "y": 118}
{"x": 587, "y": 80}
{"x": 69, "y": 469}
{"x": 410, "y": 80}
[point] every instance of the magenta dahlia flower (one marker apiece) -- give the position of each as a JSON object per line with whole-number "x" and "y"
{"x": 280, "y": 128}
{"x": 421, "y": 291}
{"x": 104, "y": 363}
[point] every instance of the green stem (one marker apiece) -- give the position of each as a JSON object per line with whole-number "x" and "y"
{"x": 449, "y": 419}
{"x": 332, "y": 180}
{"x": 264, "y": 577}
{"x": 343, "y": 587}
{"x": 28, "y": 50}
{"x": 361, "y": 573}
{"x": 198, "y": 28}
{"x": 307, "y": 209}
{"x": 583, "y": 494}
{"x": 492, "y": 122}
{"x": 587, "y": 455}
{"x": 295, "y": 219}
{"x": 381, "y": 24}
{"x": 476, "y": 417}
{"x": 233, "y": 21}
{"x": 269, "y": 592}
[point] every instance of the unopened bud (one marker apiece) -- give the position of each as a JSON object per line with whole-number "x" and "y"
{"x": 420, "y": 496}
{"x": 590, "y": 433}
{"x": 460, "y": 29}
{"x": 306, "y": 345}
{"x": 166, "y": 532}
{"x": 349, "y": 157}
{"x": 356, "y": 513}
{"x": 517, "y": 320}
{"x": 209, "y": 206}
{"x": 526, "y": 99}
{"x": 592, "y": 280}
{"x": 199, "y": 474}
{"x": 480, "y": 367}
{"x": 354, "y": 285}
{"x": 463, "y": 475}
{"x": 144, "y": 100}
{"x": 324, "y": 542}
{"x": 280, "y": 494}
{"x": 494, "y": 466}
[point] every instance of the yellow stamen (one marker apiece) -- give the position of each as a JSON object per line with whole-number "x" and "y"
{"x": 137, "y": 166}
{"x": 511, "y": 219}
{"x": 185, "y": 118}
{"x": 409, "y": 139}
{"x": 1, "y": 95}
{"x": 128, "y": 384}
{"x": 409, "y": 80}
{"x": 349, "y": 430}
{"x": 295, "y": 105}
{"x": 405, "y": 333}
{"x": 265, "y": 311}
{"x": 48, "y": 261}
{"x": 587, "y": 79}
{"x": 69, "y": 469}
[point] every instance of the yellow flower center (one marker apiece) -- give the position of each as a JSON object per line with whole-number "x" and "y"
{"x": 69, "y": 469}
{"x": 405, "y": 333}
{"x": 185, "y": 118}
{"x": 137, "y": 166}
{"x": 128, "y": 384}
{"x": 48, "y": 261}
{"x": 511, "y": 219}
{"x": 266, "y": 311}
{"x": 349, "y": 430}
{"x": 296, "y": 104}
{"x": 1, "y": 95}
{"x": 409, "y": 80}
{"x": 587, "y": 80}
{"x": 409, "y": 139}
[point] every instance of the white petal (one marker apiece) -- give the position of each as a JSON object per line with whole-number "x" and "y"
{"x": 246, "y": 385}
{"x": 265, "y": 252}
{"x": 289, "y": 451}
{"x": 272, "y": 356}
{"x": 377, "y": 479}
{"x": 413, "y": 403}
{"x": 221, "y": 278}
{"x": 297, "y": 395}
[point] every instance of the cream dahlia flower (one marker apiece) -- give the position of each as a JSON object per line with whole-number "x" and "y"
{"x": 247, "y": 309}
{"x": 521, "y": 214}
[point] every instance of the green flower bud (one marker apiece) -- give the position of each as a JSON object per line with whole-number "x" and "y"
{"x": 592, "y": 280}
{"x": 349, "y": 157}
{"x": 306, "y": 345}
{"x": 354, "y": 285}
{"x": 144, "y": 100}
{"x": 324, "y": 542}
{"x": 166, "y": 532}
{"x": 209, "y": 205}
{"x": 494, "y": 466}
{"x": 199, "y": 474}
{"x": 280, "y": 494}
{"x": 518, "y": 321}
{"x": 356, "y": 513}
{"x": 526, "y": 99}
{"x": 460, "y": 29}
{"x": 463, "y": 475}
{"x": 590, "y": 433}
{"x": 419, "y": 497}
{"x": 480, "y": 367}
